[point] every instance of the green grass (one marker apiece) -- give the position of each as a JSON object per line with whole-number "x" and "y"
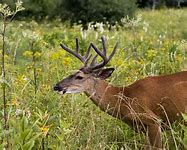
{"x": 154, "y": 42}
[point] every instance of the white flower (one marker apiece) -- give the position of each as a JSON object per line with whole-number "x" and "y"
{"x": 18, "y": 112}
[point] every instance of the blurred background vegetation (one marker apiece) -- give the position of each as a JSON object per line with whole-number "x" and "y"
{"x": 84, "y": 11}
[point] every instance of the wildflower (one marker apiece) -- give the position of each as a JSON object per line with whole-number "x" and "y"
{"x": 67, "y": 61}
{"x": 28, "y": 53}
{"x": 18, "y": 112}
{"x": 151, "y": 53}
{"x": 145, "y": 26}
{"x": 57, "y": 54}
{"x": 19, "y": 6}
{"x": 37, "y": 54}
{"x": 25, "y": 78}
{"x": 44, "y": 130}
{"x": 28, "y": 113}
{"x": 15, "y": 102}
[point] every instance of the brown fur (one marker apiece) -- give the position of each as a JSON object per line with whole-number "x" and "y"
{"x": 147, "y": 101}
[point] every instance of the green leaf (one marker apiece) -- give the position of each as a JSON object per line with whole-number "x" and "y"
{"x": 26, "y": 134}
{"x": 185, "y": 117}
{"x": 29, "y": 145}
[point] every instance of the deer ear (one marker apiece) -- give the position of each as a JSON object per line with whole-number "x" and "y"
{"x": 104, "y": 73}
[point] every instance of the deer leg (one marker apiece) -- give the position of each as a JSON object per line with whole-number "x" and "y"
{"x": 154, "y": 135}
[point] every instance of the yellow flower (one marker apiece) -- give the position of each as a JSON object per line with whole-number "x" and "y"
{"x": 151, "y": 53}
{"x": 44, "y": 130}
{"x": 37, "y": 54}
{"x": 67, "y": 61}
{"x": 28, "y": 53}
{"x": 57, "y": 54}
{"x": 15, "y": 102}
{"x": 21, "y": 79}
{"x": 61, "y": 53}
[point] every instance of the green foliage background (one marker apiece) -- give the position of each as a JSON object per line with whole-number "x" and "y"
{"x": 77, "y": 11}
{"x": 106, "y": 11}
{"x": 154, "y": 43}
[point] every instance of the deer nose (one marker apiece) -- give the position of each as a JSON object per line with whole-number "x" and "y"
{"x": 57, "y": 88}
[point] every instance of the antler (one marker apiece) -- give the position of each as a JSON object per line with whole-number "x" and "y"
{"x": 85, "y": 59}
{"x": 102, "y": 54}
{"x": 75, "y": 53}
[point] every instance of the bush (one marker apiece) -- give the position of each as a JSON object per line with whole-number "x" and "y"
{"x": 37, "y": 9}
{"x": 159, "y": 3}
{"x": 40, "y": 8}
{"x": 78, "y": 11}
{"x": 106, "y": 11}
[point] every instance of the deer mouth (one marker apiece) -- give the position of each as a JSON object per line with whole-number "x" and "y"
{"x": 67, "y": 91}
{"x": 62, "y": 92}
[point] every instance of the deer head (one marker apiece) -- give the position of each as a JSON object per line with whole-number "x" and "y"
{"x": 86, "y": 77}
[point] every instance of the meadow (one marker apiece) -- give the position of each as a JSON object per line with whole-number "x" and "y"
{"x": 152, "y": 43}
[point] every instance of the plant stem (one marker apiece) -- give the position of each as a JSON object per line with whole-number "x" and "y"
{"x": 4, "y": 75}
{"x": 35, "y": 76}
{"x": 34, "y": 72}
{"x": 43, "y": 143}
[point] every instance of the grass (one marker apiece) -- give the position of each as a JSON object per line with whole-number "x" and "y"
{"x": 154, "y": 42}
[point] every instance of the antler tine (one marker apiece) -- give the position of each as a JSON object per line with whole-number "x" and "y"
{"x": 76, "y": 54}
{"x": 93, "y": 60}
{"x": 113, "y": 52}
{"x": 87, "y": 60}
{"x": 104, "y": 45}
{"x": 77, "y": 45}
{"x": 99, "y": 53}
{"x": 103, "y": 55}
{"x": 102, "y": 63}
{"x": 87, "y": 52}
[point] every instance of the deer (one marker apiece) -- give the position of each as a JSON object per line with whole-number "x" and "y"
{"x": 149, "y": 103}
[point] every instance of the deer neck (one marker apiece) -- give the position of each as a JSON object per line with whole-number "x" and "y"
{"x": 105, "y": 96}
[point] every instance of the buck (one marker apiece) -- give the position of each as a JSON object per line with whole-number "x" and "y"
{"x": 148, "y": 103}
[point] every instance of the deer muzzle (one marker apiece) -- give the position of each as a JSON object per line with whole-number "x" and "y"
{"x": 59, "y": 89}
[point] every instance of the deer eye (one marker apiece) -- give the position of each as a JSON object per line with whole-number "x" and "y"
{"x": 79, "y": 77}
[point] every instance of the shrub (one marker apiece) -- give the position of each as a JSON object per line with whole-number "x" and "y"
{"x": 106, "y": 11}
{"x": 78, "y": 11}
